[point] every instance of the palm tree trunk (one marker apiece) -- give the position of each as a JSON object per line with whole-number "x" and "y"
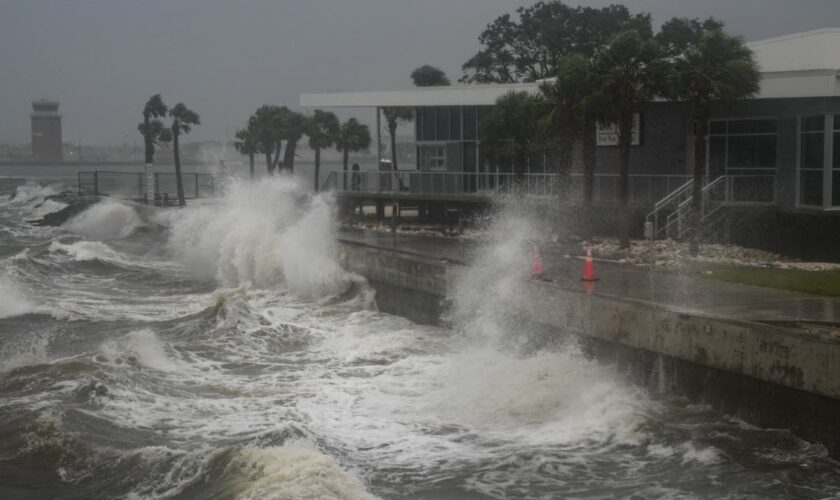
{"x": 178, "y": 181}
{"x": 276, "y": 157}
{"x": 589, "y": 131}
{"x": 625, "y": 131}
{"x": 268, "y": 163}
{"x": 700, "y": 125}
{"x": 147, "y": 140}
{"x": 251, "y": 164}
{"x": 289, "y": 156}
{"x": 317, "y": 166}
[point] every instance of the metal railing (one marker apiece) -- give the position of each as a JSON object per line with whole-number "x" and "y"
{"x": 643, "y": 188}
{"x": 723, "y": 191}
{"x": 133, "y": 185}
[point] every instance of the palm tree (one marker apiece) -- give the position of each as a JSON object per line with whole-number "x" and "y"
{"x": 509, "y": 130}
{"x": 575, "y": 108}
{"x": 246, "y": 144}
{"x": 627, "y": 70}
{"x": 393, "y": 117}
{"x": 352, "y": 136}
{"x": 322, "y": 128}
{"x": 717, "y": 69}
{"x": 183, "y": 120}
{"x": 154, "y": 108}
{"x": 267, "y": 124}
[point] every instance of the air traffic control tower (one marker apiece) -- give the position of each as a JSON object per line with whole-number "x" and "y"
{"x": 46, "y": 130}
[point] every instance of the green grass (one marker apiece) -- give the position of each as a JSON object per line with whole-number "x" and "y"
{"x": 817, "y": 282}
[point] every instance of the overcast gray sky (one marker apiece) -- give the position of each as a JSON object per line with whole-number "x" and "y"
{"x": 103, "y": 58}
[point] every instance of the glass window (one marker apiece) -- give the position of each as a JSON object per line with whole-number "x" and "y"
{"x": 811, "y": 159}
{"x": 432, "y": 157}
{"x": 717, "y": 127}
{"x": 469, "y": 157}
{"x": 751, "y": 151}
{"x": 455, "y": 123}
{"x": 811, "y": 150}
{"x": 811, "y": 187}
{"x": 469, "y": 123}
{"x": 442, "y": 132}
{"x": 429, "y": 124}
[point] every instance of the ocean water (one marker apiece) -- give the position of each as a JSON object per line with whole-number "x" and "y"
{"x": 220, "y": 351}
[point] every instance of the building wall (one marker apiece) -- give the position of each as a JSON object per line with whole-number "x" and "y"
{"x": 46, "y": 138}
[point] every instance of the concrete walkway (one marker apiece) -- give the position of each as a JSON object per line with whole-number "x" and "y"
{"x": 682, "y": 292}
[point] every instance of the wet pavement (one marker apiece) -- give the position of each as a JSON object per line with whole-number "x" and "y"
{"x": 684, "y": 292}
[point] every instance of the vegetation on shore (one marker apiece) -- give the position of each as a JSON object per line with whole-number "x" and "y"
{"x": 817, "y": 282}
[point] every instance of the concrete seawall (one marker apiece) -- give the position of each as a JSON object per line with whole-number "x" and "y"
{"x": 766, "y": 374}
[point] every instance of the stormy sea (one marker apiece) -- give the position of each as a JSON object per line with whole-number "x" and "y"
{"x": 220, "y": 351}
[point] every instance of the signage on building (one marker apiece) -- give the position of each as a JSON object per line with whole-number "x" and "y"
{"x": 607, "y": 134}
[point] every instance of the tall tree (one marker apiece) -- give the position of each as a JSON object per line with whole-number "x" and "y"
{"x": 429, "y": 76}
{"x": 152, "y": 129}
{"x": 393, "y": 117}
{"x": 680, "y": 34}
{"x": 530, "y": 47}
{"x": 718, "y": 68}
{"x": 629, "y": 70}
{"x": 292, "y": 131}
{"x": 509, "y": 130}
{"x": 352, "y": 136}
{"x": 246, "y": 144}
{"x": 322, "y": 128}
{"x": 183, "y": 119}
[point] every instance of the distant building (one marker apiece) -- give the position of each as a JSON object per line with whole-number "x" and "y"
{"x": 46, "y": 131}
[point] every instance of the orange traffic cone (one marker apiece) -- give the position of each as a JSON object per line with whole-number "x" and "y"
{"x": 589, "y": 266}
{"x": 537, "y": 271}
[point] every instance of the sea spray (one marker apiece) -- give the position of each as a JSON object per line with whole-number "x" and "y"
{"x": 108, "y": 219}
{"x": 262, "y": 234}
{"x": 486, "y": 295}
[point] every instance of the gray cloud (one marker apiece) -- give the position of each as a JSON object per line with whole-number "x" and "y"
{"x": 102, "y": 58}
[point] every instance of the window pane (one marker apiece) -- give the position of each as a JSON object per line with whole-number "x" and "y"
{"x": 813, "y": 123}
{"x": 428, "y": 124}
{"x": 718, "y": 127}
{"x": 418, "y": 124}
{"x": 835, "y": 162}
{"x": 742, "y": 127}
{"x": 836, "y": 122}
{"x": 717, "y": 155}
{"x": 442, "y": 124}
{"x": 753, "y": 188}
{"x": 811, "y": 150}
{"x": 469, "y": 123}
{"x": 469, "y": 157}
{"x": 757, "y": 151}
{"x": 811, "y": 187}
{"x": 835, "y": 189}
{"x": 767, "y": 126}
{"x": 455, "y": 123}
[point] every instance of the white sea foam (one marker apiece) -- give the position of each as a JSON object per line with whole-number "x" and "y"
{"x": 13, "y": 302}
{"x": 32, "y": 193}
{"x": 262, "y": 234}
{"x": 108, "y": 219}
{"x": 142, "y": 347}
{"x": 296, "y": 470}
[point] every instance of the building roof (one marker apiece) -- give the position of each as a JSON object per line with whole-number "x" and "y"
{"x": 451, "y": 95}
{"x": 798, "y": 65}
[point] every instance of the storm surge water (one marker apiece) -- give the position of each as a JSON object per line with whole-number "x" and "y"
{"x": 221, "y": 351}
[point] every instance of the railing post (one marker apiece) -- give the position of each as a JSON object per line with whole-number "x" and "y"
{"x": 96, "y": 183}
{"x": 140, "y": 186}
